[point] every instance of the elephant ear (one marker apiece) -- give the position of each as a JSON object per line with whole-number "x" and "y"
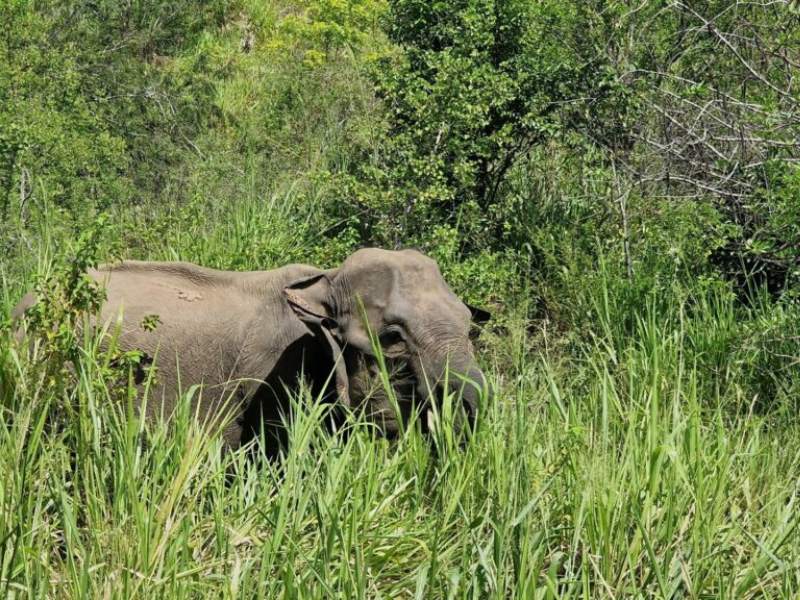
{"x": 310, "y": 299}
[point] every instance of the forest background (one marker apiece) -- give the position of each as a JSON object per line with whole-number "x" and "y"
{"x": 617, "y": 182}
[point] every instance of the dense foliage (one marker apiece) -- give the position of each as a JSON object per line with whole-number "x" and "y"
{"x": 619, "y": 183}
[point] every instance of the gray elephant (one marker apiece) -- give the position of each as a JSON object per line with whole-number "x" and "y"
{"x": 246, "y": 337}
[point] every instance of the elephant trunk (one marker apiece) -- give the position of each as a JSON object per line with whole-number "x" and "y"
{"x": 463, "y": 378}
{"x": 472, "y": 389}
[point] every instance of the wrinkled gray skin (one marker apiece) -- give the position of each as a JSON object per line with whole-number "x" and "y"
{"x": 246, "y": 335}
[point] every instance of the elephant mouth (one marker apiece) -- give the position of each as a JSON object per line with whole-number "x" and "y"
{"x": 385, "y": 394}
{"x": 392, "y": 395}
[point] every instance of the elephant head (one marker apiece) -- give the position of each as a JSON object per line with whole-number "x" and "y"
{"x": 400, "y": 300}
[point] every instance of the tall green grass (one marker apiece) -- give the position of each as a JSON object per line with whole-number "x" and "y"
{"x": 633, "y": 464}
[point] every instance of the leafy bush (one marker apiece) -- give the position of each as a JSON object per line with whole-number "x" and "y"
{"x": 98, "y": 103}
{"x": 472, "y": 87}
{"x": 52, "y": 136}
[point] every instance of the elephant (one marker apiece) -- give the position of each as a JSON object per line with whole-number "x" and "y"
{"x": 247, "y": 338}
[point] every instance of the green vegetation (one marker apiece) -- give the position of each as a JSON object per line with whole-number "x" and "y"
{"x": 617, "y": 183}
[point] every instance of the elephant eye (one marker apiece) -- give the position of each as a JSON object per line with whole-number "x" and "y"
{"x": 390, "y": 337}
{"x": 392, "y": 342}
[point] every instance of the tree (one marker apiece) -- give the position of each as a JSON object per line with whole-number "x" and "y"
{"x": 473, "y": 86}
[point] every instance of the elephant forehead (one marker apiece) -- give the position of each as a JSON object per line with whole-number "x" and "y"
{"x": 387, "y": 265}
{"x": 429, "y": 291}
{"x": 436, "y": 309}
{"x": 402, "y": 282}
